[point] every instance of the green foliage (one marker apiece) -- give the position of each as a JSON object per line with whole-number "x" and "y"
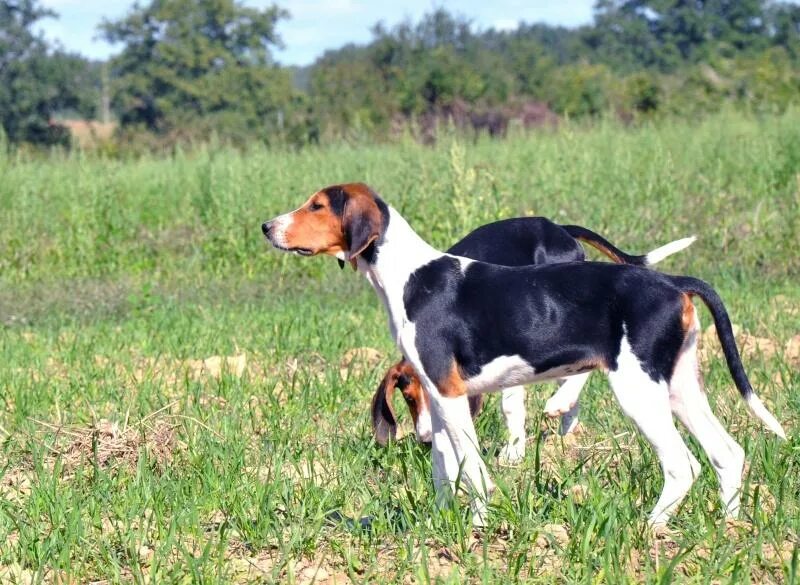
{"x": 580, "y": 90}
{"x": 113, "y": 273}
{"x": 199, "y": 66}
{"x": 193, "y": 70}
{"x": 642, "y": 93}
{"x": 639, "y": 57}
{"x": 36, "y": 83}
{"x": 667, "y": 34}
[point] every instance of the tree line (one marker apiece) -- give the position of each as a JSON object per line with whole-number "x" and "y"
{"x": 192, "y": 69}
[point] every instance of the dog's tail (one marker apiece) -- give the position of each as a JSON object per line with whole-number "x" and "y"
{"x": 722, "y": 322}
{"x": 599, "y": 242}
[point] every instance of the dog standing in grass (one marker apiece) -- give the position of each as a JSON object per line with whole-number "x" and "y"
{"x": 520, "y": 241}
{"x": 468, "y": 327}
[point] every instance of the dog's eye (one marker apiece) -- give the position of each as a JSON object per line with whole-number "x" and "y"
{"x": 409, "y": 399}
{"x": 316, "y": 206}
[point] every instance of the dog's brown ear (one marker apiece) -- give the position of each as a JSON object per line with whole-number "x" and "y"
{"x": 384, "y": 423}
{"x": 362, "y": 223}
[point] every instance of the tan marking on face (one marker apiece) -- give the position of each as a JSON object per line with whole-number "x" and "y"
{"x": 315, "y": 227}
{"x": 452, "y": 385}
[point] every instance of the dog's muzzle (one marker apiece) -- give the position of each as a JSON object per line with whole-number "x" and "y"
{"x": 269, "y": 231}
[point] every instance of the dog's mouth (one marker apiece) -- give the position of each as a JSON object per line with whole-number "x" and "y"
{"x": 296, "y": 250}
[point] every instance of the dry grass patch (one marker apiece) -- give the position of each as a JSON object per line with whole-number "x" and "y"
{"x": 111, "y": 444}
{"x": 750, "y": 346}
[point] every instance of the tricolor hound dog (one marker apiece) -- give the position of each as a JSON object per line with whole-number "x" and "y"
{"x": 520, "y": 241}
{"x": 468, "y": 327}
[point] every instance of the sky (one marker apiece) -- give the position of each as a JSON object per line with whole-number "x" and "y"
{"x": 318, "y": 25}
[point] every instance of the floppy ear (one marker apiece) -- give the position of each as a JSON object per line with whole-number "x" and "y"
{"x": 361, "y": 222}
{"x": 384, "y": 423}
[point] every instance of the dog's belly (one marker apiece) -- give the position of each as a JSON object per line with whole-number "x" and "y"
{"x": 511, "y": 370}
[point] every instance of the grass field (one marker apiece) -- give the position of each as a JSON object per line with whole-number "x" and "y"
{"x": 180, "y": 403}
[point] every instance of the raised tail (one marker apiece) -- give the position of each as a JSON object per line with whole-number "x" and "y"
{"x": 722, "y": 322}
{"x": 600, "y": 243}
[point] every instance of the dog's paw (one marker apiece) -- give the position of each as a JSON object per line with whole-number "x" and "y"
{"x": 556, "y": 406}
{"x": 660, "y": 531}
{"x": 512, "y": 453}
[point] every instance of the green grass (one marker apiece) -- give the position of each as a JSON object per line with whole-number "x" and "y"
{"x": 115, "y": 274}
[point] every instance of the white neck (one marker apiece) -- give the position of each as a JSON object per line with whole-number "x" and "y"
{"x": 399, "y": 254}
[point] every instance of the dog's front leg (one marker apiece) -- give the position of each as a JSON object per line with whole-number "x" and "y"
{"x": 456, "y": 450}
{"x": 445, "y": 466}
{"x": 512, "y": 401}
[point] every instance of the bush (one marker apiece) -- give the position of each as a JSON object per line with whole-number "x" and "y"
{"x": 581, "y": 90}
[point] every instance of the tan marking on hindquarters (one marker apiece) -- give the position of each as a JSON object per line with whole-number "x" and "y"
{"x": 452, "y": 385}
{"x": 687, "y": 316}
{"x": 691, "y": 327}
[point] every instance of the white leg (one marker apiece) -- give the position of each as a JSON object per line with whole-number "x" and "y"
{"x": 690, "y": 404}
{"x": 454, "y": 415}
{"x": 564, "y": 402}
{"x": 445, "y": 466}
{"x": 512, "y": 402}
{"x": 648, "y": 404}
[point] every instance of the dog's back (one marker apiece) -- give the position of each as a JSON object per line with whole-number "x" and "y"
{"x": 520, "y": 241}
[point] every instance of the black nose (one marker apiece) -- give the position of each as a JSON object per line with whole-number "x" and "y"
{"x": 265, "y": 227}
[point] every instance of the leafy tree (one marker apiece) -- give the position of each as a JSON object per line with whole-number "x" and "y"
{"x": 785, "y": 22}
{"x": 36, "y": 82}
{"x": 201, "y": 63}
{"x": 667, "y": 34}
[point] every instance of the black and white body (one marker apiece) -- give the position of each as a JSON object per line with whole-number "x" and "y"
{"x": 469, "y": 327}
{"x": 521, "y": 241}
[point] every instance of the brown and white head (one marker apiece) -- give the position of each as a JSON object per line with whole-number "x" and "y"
{"x": 341, "y": 220}
{"x": 402, "y": 376}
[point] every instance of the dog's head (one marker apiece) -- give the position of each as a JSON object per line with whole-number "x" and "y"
{"x": 402, "y": 376}
{"x": 341, "y": 220}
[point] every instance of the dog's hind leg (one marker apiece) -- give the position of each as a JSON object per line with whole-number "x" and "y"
{"x": 690, "y": 404}
{"x": 647, "y": 403}
{"x": 512, "y": 402}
